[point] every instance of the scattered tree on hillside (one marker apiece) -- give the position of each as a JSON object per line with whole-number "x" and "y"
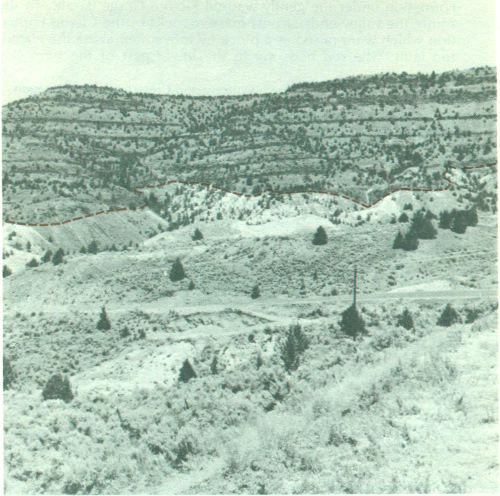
{"x": 47, "y": 256}
{"x": 255, "y": 292}
{"x": 448, "y": 317}
{"x": 296, "y": 342}
{"x": 406, "y": 320}
{"x": 32, "y": 263}
{"x": 92, "y": 247}
{"x": 191, "y": 285}
{"x": 197, "y": 235}
{"x": 58, "y": 257}
{"x": 83, "y": 250}
{"x": 177, "y": 271}
{"x": 352, "y": 323}
{"x": 187, "y": 372}
{"x": 403, "y": 217}
{"x": 58, "y": 388}
{"x": 6, "y": 271}
{"x": 104, "y": 324}
{"x": 9, "y": 374}
{"x": 320, "y": 237}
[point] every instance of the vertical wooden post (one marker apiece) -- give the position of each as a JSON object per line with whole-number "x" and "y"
{"x": 354, "y": 287}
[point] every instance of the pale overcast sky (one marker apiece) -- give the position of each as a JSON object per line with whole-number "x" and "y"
{"x": 234, "y": 46}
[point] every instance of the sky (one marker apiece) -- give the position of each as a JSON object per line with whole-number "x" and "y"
{"x": 213, "y": 47}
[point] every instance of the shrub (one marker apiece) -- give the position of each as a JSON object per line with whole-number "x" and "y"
{"x": 187, "y": 372}
{"x": 9, "y": 374}
{"x": 406, "y": 320}
{"x": 213, "y": 366}
{"x": 191, "y": 285}
{"x": 177, "y": 271}
{"x": 104, "y": 323}
{"x": 448, "y": 317}
{"x": 320, "y": 237}
{"x": 197, "y": 235}
{"x": 403, "y": 217}
{"x": 296, "y": 342}
{"x": 352, "y": 323}
{"x": 255, "y": 292}
{"x": 58, "y": 257}
{"x": 47, "y": 256}
{"x": 32, "y": 263}
{"x": 6, "y": 271}
{"x": 125, "y": 333}
{"x": 58, "y": 388}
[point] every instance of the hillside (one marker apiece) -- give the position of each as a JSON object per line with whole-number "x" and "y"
{"x": 74, "y": 150}
{"x": 165, "y": 337}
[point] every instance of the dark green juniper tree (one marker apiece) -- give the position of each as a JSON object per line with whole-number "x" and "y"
{"x": 197, "y": 235}
{"x": 352, "y": 323}
{"x": 406, "y": 320}
{"x": 320, "y": 237}
{"x": 448, "y": 317}
{"x": 177, "y": 271}
{"x": 104, "y": 324}
{"x": 58, "y": 388}
{"x": 58, "y": 257}
{"x": 255, "y": 292}
{"x": 296, "y": 342}
{"x": 187, "y": 372}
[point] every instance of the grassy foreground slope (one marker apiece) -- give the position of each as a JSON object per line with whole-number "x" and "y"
{"x": 401, "y": 411}
{"x": 397, "y": 411}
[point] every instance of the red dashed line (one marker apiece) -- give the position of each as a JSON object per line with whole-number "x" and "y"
{"x": 256, "y": 195}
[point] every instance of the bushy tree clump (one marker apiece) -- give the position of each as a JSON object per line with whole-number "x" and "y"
{"x": 406, "y": 320}
{"x": 197, "y": 236}
{"x": 255, "y": 292}
{"x": 104, "y": 324}
{"x": 458, "y": 220}
{"x": 58, "y": 388}
{"x": 9, "y": 374}
{"x": 58, "y": 257}
{"x": 421, "y": 226}
{"x": 33, "y": 263}
{"x": 177, "y": 271}
{"x": 187, "y": 372}
{"x": 320, "y": 237}
{"x": 445, "y": 219}
{"x": 403, "y": 217}
{"x": 296, "y": 342}
{"x": 191, "y": 285}
{"x": 352, "y": 323}
{"x": 6, "y": 272}
{"x": 448, "y": 317}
